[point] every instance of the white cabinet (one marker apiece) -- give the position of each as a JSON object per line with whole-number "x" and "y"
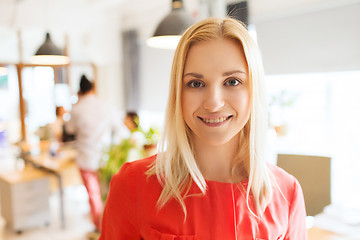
{"x": 25, "y": 199}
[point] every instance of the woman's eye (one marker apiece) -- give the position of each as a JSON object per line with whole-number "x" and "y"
{"x": 195, "y": 84}
{"x": 232, "y": 82}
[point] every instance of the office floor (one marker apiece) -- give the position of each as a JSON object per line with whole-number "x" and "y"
{"x": 78, "y": 222}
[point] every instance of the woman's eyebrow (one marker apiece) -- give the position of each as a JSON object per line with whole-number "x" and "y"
{"x": 197, "y": 75}
{"x": 225, "y": 74}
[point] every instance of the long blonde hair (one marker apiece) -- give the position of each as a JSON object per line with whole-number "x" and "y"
{"x": 175, "y": 166}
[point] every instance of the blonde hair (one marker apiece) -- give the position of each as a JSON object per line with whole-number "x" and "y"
{"x": 175, "y": 166}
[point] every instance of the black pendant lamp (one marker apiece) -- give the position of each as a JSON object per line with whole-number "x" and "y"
{"x": 170, "y": 29}
{"x": 49, "y": 54}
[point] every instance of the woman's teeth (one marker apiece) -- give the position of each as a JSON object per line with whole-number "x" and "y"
{"x": 215, "y": 120}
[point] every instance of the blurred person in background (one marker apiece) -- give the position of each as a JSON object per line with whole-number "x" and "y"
{"x": 57, "y": 126}
{"x": 94, "y": 124}
{"x": 131, "y": 121}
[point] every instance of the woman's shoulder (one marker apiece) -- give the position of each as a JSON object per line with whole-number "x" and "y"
{"x": 287, "y": 183}
{"x": 132, "y": 182}
{"x": 280, "y": 173}
{"x": 133, "y": 172}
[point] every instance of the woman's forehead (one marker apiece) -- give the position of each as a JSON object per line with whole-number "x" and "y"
{"x": 225, "y": 54}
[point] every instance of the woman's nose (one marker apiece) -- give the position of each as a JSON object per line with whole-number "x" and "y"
{"x": 214, "y": 99}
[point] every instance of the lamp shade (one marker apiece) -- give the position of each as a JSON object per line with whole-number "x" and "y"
{"x": 170, "y": 29}
{"x": 49, "y": 54}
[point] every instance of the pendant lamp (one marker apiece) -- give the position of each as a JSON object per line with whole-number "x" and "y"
{"x": 49, "y": 54}
{"x": 170, "y": 29}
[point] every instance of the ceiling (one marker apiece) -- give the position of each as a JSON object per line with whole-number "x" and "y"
{"x": 70, "y": 14}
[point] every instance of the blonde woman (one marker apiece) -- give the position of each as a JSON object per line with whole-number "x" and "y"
{"x": 210, "y": 179}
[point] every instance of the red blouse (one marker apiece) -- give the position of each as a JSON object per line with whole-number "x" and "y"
{"x": 222, "y": 213}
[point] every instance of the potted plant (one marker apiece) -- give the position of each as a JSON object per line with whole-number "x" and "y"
{"x": 118, "y": 154}
{"x": 112, "y": 161}
{"x": 278, "y": 106}
{"x": 151, "y": 139}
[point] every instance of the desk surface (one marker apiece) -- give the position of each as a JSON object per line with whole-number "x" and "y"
{"x": 27, "y": 174}
{"x": 57, "y": 163}
{"x": 63, "y": 165}
{"x": 66, "y": 155}
{"x": 315, "y": 233}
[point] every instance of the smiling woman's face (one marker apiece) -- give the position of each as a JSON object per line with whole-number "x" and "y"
{"x": 215, "y": 92}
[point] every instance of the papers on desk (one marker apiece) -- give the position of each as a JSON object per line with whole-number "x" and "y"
{"x": 341, "y": 220}
{"x": 50, "y": 163}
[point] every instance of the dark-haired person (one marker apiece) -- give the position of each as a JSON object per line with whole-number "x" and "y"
{"x": 131, "y": 121}
{"x": 93, "y": 122}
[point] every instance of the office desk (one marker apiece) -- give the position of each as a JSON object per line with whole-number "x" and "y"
{"x": 61, "y": 166}
{"x": 25, "y": 198}
{"x": 62, "y": 163}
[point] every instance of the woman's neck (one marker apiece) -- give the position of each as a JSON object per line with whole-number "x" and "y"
{"x": 215, "y": 162}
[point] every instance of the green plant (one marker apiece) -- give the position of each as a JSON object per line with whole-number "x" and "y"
{"x": 114, "y": 158}
{"x": 279, "y": 107}
{"x": 118, "y": 154}
{"x": 151, "y": 136}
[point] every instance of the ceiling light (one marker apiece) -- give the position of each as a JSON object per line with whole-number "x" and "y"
{"x": 170, "y": 29}
{"x": 49, "y": 54}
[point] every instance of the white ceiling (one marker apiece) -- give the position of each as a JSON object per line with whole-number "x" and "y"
{"x": 69, "y": 14}
{"x": 93, "y": 25}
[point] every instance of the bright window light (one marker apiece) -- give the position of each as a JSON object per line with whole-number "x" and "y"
{"x": 165, "y": 42}
{"x": 320, "y": 112}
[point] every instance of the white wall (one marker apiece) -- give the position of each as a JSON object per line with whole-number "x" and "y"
{"x": 106, "y": 52}
{"x": 318, "y": 41}
{"x": 155, "y": 69}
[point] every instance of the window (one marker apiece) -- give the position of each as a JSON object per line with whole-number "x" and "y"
{"x": 319, "y": 114}
{"x": 9, "y": 107}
